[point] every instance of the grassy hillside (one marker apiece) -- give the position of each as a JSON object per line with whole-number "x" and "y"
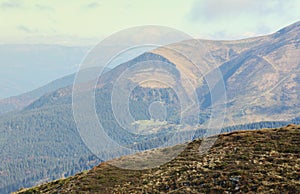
{"x": 260, "y": 161}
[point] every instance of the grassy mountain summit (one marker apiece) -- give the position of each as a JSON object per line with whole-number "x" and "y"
{"x": 259, "y": 161}
{"x": 260, "y": 75}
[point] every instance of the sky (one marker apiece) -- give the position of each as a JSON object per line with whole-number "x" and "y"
{"x": 84, "y": 22}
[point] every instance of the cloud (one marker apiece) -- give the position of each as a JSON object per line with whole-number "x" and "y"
{"x": 209, "y": 10}
{"x": 93, "y": 5}
{"x": 44, "y": 7}
{"x": 263, "y": 29}
{"x": 26, "y": 29}
{"x": 10, "y": 4}
{"x": 232, "y": 19}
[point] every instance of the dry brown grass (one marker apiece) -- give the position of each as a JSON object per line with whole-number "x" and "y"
{"x": 261, "y": 161}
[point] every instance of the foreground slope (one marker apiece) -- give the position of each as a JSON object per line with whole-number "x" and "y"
{"x": 265, "y": 161}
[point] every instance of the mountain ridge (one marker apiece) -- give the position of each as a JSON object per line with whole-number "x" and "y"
{"x": 255, "y": 62}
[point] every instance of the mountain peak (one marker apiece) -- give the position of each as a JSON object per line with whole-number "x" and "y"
{"x": 291, "y": 29}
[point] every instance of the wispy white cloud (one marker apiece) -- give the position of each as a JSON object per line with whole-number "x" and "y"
{"x": 209, "y": 10}
{"x": 93, "y": 5}
{"x": 232, "y": 19}
{"x": 12, "y": 4}
{"x": 42, "y": 7}
{"x": 26, "y": 29}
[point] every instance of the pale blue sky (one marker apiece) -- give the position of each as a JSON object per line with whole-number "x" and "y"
{"x": 82, "y": 22}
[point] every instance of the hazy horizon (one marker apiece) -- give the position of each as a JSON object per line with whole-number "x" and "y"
{"x": 87, "y": 22}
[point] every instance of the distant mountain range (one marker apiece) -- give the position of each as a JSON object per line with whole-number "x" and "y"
{"x": 25, "y": 67}
{"x": 17, "y": 103}
{"x": 260, "y": 78}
